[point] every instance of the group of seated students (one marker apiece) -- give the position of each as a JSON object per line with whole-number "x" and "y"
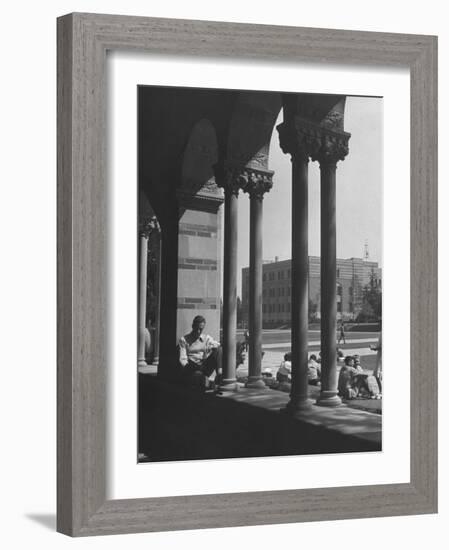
{"x": 284, "y": 373}
{"x": 200, "y": 358}
{"x": 353, "y": 381}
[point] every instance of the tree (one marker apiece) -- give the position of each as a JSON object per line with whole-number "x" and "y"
{"x": 240, "y": 319}
{"x": 366, "y": 314}
{"x": 372, "y": 300}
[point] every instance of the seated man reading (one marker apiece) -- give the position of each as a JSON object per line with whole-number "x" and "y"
{"x": 199, "y": 355}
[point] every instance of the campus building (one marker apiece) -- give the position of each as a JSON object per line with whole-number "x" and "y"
{"x": 353, "y": 274}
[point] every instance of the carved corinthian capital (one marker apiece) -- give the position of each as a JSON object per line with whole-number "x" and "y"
{"x": 295, "y": 142}
{"x": 149, "y": 225}
{"x": 256, "y": 182}
{"x": 304, "y": 139}
{"x": 234, "y": 178}
{"x": 334, "y": 147}
{"x": 228, "y": 178}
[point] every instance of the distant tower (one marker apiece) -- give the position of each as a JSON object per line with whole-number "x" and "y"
{"x": 366, "y": 252}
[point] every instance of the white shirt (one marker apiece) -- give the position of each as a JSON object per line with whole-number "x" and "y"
{"x": 195, "y": 349}
{"x": 285, "y": 368}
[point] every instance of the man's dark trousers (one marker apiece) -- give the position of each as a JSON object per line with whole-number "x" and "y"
{"x": 198, "y": 375}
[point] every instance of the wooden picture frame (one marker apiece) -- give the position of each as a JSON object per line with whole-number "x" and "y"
{"x": 83, "y": 40}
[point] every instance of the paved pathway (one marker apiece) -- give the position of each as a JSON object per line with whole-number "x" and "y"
{"x": 318, "y": 343}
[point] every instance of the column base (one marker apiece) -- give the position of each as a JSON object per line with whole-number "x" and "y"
{"x": 328, "y": 399}
{"x": 228, "y": 385}
{"x": 141, "y": 363}
{"x": 256, "y": 382}
{"x": 295, "y": 407}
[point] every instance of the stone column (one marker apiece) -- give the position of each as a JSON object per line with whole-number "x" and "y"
{"x": 258, "y": 183}
{"x": 314, "y": 128}
{"x": 141, "y": 362}
{"x": 230, "y": 286}
{"x": 294, "y": 141}
{"x": 300, "y": 281}
{"x": 146, "y": 228}
{"x": 157, "y": 290}
{"x": 333, "y": 148}
{"x": 231, "y": 178}
{"x": 168, "y": 367}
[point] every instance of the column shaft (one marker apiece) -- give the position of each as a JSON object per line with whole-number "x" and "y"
{"x": 157, "y": 313}
{"x": 230, "y": 288}
{"x": 328, "y": 394}
{"x": 255, "y": 293}
{"x": 300, "y": 283}
{"x": 168, "y": 358}
{"x": 142, "y": 300}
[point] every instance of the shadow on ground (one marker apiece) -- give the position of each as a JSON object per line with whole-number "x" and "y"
{"x": 180, "y": 424}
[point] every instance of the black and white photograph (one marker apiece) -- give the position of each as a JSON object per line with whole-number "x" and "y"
{"x": 260, "y": 239}
{"x": 221, "y": 223}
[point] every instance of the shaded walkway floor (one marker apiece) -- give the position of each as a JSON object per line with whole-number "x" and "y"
{"x": 180, "y": 424}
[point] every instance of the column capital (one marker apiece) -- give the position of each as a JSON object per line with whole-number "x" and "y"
{"x": 148, "y": 226}
{"x": 256, "y": 182}
{"x": 334, "y": 147}
{"x": 233, "y": 178}
{"x": 304, "y": 139}
{"x": 227, "y": 176}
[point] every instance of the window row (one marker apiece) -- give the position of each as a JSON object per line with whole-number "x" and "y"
{"x": 276, "y": 308}
{"x": 279, "y": 275}
{"x": 273, "y": 292}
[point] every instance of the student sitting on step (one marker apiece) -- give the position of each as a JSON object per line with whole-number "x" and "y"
{"x": 346, "y": 379}
{"x": 284, "y": 374}
{"x": 199, "y": 356}
{"x": 313, "y": 371}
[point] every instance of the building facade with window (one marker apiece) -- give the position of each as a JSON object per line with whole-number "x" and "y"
{"x": 353, "y": 274}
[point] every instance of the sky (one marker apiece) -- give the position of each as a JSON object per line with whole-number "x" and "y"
{"x": 359, "y": 193}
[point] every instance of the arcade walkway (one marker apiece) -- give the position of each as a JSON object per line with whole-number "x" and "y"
{"x": 179, "y": 424}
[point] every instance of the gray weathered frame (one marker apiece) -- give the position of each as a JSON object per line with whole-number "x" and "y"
{"x": 83, "y": 40}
